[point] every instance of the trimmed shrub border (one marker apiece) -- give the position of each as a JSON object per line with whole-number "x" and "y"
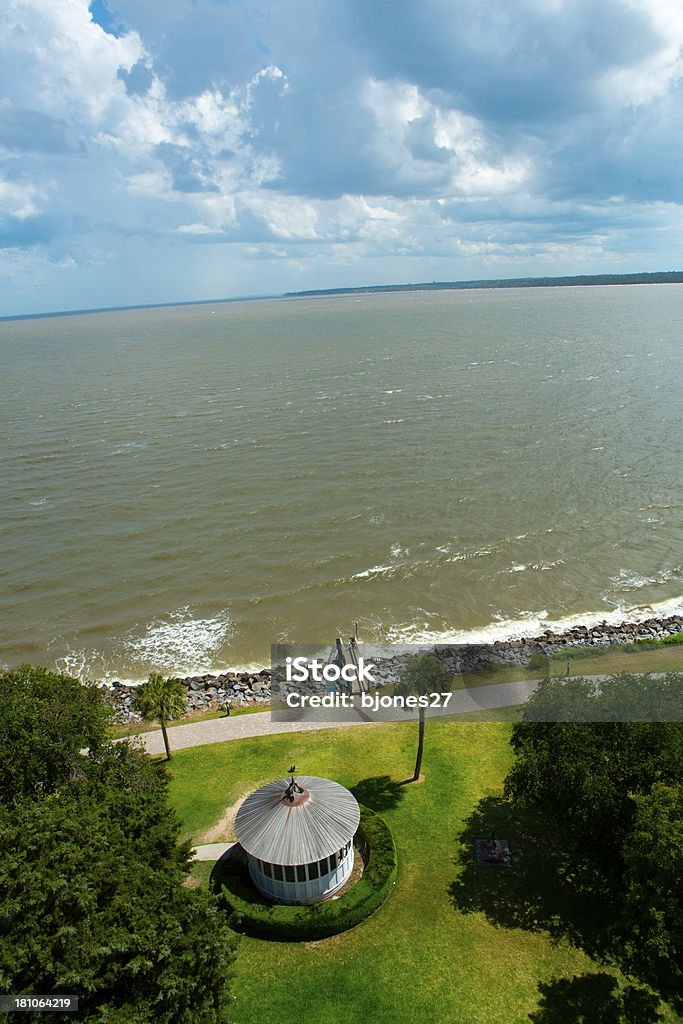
{"x": 251, "y": 914}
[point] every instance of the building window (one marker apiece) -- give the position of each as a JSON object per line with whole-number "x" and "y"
{"x": 301, "y": 873}
{"x": 342, "y": 854}
{"x": 333, "y": 861}
{"x": 277, "y": 872}
{"x": 313, "y": 870}
{"x": 323, "y": 866}
{"x": 289, "y": 873}
{"x": 267, "y": 869}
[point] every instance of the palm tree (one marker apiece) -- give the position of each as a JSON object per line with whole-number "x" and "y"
{"x": 163, "y": 699}
{"x": 421, "y": 675}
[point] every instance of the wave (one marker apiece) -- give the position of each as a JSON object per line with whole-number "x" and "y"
{"x": 184, "y": 645}
{"x": 627, "y": 581}
{"x": 376, "y": 570}
{"x": 179, "y": 642}
{"x": 532, "y": 623}
{"x": 130, "y": 446}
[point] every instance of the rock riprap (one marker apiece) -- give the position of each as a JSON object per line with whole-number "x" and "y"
{"x": 240, "y": 689}
{"x": 204, "y": 693}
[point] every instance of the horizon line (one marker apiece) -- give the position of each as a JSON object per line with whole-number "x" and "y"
{"x": 590, "y": 280}
{"x": 136, "y": 305}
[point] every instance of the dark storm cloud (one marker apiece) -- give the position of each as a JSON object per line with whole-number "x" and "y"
{"x": 513, "y": 64}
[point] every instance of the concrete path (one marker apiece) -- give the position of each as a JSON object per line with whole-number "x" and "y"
{"x": 220, "y": 730}
{"x": 240, "y": 727}
{"x": 211, "y": 851}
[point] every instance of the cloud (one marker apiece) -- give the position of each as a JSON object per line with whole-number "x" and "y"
{"x": 335, "y": 137}
{"x": 19, "y": 200}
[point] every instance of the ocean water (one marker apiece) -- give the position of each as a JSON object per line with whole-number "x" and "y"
{"x": 182, "y": 487}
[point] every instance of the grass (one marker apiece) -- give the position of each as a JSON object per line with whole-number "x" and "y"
{"x": 665, "y": 658}
{"x": 584, "y": 661}
{"x": 453, "y": 943}
{"x": 126, "y": 729}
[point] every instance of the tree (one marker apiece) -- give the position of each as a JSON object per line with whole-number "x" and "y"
{"x": 92, "y": 893}
{"x": 421, "y": 675}
{"x": 47, "y": 719}
{"x": 160, "y": 699}
{"x": 653, "y": 856}
{"x": 583, "y": 772}
{"x": 611, "y": 792}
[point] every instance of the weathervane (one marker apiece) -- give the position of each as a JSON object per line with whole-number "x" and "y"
{"x": 293, "y": 789}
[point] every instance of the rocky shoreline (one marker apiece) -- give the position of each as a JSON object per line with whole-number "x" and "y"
{"x": 213, "y": 691}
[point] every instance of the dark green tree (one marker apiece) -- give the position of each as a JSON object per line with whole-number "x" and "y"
{"x": 583, "y": 772}
{"x": 162, "y": 700}
{"x": 93, "y": 898}
{"x": 421, "y": 675}
{"x": 46, "y": 719}
{"x": 653, "y": 908}
{"x": 611, "y": 794}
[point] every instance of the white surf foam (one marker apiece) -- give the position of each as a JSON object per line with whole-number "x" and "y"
{"x": 179, "y": 642}
{"x": 376, "y": 570}
{"x": 625, "y": 580}
{"x": 533, "y": 623}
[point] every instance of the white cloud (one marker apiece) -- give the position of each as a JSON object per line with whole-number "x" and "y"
{"x": 69, "y": 63}
{"x": 20, "y": 201}
{"x": 195, "y": 229}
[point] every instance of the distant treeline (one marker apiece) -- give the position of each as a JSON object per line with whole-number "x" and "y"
{"x": 663, "y": 277}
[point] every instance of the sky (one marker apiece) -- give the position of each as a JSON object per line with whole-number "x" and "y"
{"x": 197, "y": 149}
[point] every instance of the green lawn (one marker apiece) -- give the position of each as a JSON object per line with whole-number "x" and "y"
{"x": 667, "y": 658}
{"x": 454, "y": 944}
{"x": 594, "y": 661}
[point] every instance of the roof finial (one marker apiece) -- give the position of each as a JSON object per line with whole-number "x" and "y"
{"x": 293, "y": 788}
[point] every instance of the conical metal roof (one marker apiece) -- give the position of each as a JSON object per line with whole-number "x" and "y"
{"x": 316, "y": 823}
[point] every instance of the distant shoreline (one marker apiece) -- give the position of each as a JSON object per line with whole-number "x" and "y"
{"x": 581, "y": 280}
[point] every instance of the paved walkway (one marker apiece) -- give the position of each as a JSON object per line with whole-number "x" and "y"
{"x": 240, "y": 727}
{"x": 211, "y": 851}
{"x": 220, "y": 730}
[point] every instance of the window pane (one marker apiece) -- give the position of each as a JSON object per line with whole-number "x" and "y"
{"x": 289, "y": 873}
{"x": 333, "y": 861}
{"x": 301, "y": 873}
{"x": 267, "y": 869}
{"x": 323, "y": 866}
{"x": 277, "y": 871}
{"x": 313, "y": 870}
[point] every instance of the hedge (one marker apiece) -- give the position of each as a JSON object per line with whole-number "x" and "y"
{"x": 254, "y": 915}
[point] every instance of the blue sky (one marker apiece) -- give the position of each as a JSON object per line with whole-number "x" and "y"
{"x": 190, "y": 149}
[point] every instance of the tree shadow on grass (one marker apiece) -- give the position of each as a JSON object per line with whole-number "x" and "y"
{"x": 379, "y": 793}
{"x": 547, "y": 887}
{"x": 552, "y": 888}
{"x": 594, "y": 999}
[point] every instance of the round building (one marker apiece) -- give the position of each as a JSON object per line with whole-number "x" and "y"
{"x": 298, "y": 838}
